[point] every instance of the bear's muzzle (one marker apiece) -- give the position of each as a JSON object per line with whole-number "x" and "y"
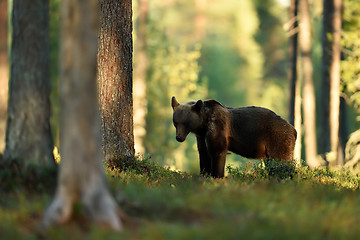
{"x": 180, "y": 138}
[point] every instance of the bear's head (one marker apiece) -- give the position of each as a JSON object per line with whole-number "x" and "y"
{"x": 186, "y": 117}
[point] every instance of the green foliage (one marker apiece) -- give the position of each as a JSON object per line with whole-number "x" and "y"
{"x": 350, "y": 41}
{"x": 15, "y": 177}
{"x": 350, "y": 73}
{"x": 272, "y": 40}
{"x": 260, "y": 170}
{"x": 231, "y": 59}
{"x": 173, "y": 71}
{"x": 141, "y": 167}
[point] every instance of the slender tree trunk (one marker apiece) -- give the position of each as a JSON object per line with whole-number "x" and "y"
{"x": 295, "y": 91}
{"x": 324, "y": 145}
{"x": 343, "y": 132}
{"x": 140, "y": 77}
{"x": 298, "y": 119}
{"x": 4, "y": 71}
{"x": 308, "y": 86}
{"x": 293, "y": 47}
{"x": 81, "y": 175}
{"x": 335, "y": 80}
{"x": 28, "y": 135}
{"x": 331, "y": 79}
{"x": 115, "y": 79}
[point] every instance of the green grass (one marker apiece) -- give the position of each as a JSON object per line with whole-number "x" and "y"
{"x": 162, "y": 204}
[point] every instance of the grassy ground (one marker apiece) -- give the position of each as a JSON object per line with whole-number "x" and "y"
{"x": 161, "y": 204}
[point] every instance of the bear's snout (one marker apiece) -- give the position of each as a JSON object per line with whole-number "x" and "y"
{"x": 180, "y": 138}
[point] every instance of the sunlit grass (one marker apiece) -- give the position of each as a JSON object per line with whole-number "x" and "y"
{"x": 162, "y": 204}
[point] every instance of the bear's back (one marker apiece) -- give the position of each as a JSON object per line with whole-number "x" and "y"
{"x": 257, "y": 117}
{"x": 250, "y": 121}
{"x": 253, "y": 129}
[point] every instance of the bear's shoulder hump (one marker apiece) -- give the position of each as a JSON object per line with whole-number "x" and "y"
{"x": 212, "y": 103}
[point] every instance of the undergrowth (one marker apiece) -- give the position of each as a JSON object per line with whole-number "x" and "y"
{"x": 254, "y": 202}
{"x": 31, "y": 178}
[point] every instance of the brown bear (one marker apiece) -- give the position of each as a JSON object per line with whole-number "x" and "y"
{"x": 252, "y": 132}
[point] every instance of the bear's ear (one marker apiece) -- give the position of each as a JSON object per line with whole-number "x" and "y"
{"x": 174, "y": 103}
{"x": 198, "y": 106}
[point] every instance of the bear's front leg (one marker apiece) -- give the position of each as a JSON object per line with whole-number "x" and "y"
{"x": 217, "y": 150}
{"x": 205, "y": 160}
{"x": 218, "y": 165}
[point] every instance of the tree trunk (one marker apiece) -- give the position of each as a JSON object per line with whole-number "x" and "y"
{"x": 81, "y": 176}
{"x": 115, "y": 79}
{"x": 140, "y": 77}
{"x": 331, "y": 80}
{"x": 295, "y": 91}
{"x": 293, "y": 43}
{"x": 343, "y": 132}
{"x": 28, "y": 135}
{"x": 308, "y": 86}
{"x": 4, "y": 71}
{"x": 298, "y": 120}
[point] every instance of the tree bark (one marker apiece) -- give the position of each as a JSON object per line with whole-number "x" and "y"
{"x": 331, "y": 80}
{"x": 28, "y": 134}
{"x": 308, "y": 86}
{"x": 115, "y": 79}
{"x": 81, "y": 176}
{"x": 140, "y": 77}
{"x": 4, "y": 70}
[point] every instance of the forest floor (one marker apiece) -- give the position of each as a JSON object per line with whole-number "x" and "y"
{"x": 158, "y": 203}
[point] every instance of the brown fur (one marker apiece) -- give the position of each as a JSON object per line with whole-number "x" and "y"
{"x": 252, "y": 132}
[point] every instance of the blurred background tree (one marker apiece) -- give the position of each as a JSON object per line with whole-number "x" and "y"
{"x": 140, "y": 74}
{"x": 309, "y": 106}
{"x": 4, "y": 69}
{"x": 330, "y": 85}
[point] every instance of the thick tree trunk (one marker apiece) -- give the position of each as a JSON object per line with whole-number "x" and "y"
{"x": 28, "y": 135}
{"x": 115, "y": 79}
{"x": 140, "y": 77}
{"x": 331, "y": 80}
{"x": 81, "y": 176}
{"x": 4, "y": 71}
{"x": 308, "y": 86}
